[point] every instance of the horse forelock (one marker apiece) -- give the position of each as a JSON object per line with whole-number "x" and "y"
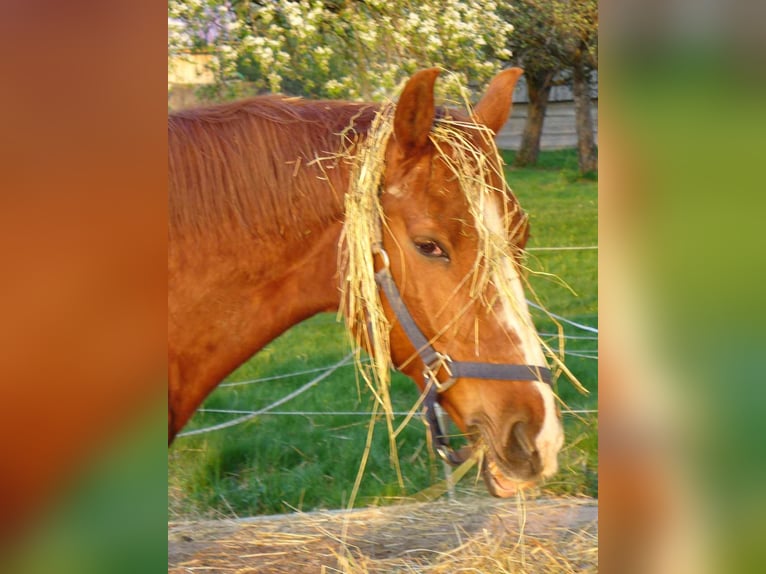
{"x": 262, "y": 168}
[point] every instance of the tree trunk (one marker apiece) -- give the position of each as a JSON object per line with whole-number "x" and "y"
{"x": 539, "y": 89}
{"x": 586, "y": 143}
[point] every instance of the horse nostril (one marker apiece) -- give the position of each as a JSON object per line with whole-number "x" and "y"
{"x": 519, "y": 433}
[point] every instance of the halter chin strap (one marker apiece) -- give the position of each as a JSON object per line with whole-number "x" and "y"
{"x": 436, "y": 363}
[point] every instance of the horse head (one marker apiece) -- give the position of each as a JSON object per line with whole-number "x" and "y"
{"x": 455, "y": 262}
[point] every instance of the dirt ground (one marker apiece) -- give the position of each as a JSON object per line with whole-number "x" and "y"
{"x": 476, "y": 534}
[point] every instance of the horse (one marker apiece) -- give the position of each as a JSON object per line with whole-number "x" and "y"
{"x": 258, "y": 236}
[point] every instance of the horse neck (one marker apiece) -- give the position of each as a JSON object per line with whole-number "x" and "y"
{"x": 235, "y": 305}
{"x": 230, "y": 297}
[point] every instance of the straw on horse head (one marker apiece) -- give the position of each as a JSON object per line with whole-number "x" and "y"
{"x": 474, "y": 165}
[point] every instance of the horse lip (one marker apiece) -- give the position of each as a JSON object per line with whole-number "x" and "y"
{"x": 500, "y": 479}
{"x": 498, "y": 484}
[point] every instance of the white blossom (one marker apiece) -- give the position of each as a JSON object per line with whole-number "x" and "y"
{"x": 354, "y": 50}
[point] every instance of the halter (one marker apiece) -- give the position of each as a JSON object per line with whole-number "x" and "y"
{"x": 436, "y": 362}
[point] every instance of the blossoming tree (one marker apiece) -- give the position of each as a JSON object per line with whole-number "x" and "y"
{"x": 354, "y": 49}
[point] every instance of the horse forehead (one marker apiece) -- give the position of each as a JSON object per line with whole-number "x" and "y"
{"x": 429, "y": 182}
{"x": 428, "y": 195}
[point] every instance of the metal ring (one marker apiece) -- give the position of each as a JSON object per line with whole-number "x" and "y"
{"x": 444, "y": 453}
{"x": 377, "y": 248}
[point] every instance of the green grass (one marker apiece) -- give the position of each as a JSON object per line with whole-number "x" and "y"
{"x": 563, "y": 211}
{"x": 277, "y": 462}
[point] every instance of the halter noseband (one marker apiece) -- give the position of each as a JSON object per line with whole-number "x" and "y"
{"x": 436, "y": 362}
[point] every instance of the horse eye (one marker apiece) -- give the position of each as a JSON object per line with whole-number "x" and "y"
{"x": 431, "y": 249}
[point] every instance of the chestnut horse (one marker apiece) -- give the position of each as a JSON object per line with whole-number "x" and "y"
{"x": 254, "y": 237}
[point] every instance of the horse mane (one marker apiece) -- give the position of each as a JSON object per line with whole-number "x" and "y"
{"x": 249, "y": 167}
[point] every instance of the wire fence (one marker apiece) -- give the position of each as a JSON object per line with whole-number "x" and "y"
{"x": 563, "y": 319}
{"x": 299, "y": 391}
{"x": 278, "y": 377}
{"x": 325, "y": 372}
{"x": 246, "y": 415}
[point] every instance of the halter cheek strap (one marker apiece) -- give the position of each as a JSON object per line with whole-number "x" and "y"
{"x": 436, "y": 363}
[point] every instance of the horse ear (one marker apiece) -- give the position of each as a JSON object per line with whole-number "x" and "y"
{"x": 495, "y": 107}
{"x": 414, "y": 114}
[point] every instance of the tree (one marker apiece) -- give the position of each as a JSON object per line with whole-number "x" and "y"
{"x": 535, "y": 47}
{"x": 555, "y": 39}
{"x": 580, "y": 24}
{"x": 354, "y": 49}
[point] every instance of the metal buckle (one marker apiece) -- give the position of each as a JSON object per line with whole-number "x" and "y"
{"x": 431, "y": 372}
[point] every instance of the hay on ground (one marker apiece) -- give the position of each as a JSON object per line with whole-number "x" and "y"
{"x": 471, "y": 535}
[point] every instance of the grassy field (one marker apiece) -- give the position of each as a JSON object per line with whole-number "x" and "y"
{"x": 307, "y": 461}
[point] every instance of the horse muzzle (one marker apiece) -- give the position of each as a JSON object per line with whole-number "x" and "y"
{"x": 511, "y": 464}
